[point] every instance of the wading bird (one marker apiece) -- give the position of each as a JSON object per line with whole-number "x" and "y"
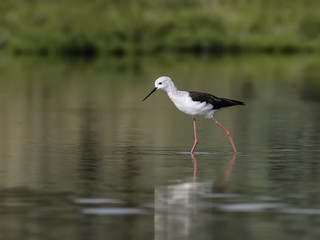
{"x": 196, "y": 104}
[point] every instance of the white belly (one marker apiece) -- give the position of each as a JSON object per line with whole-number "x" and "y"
{"x": 195, "y": 109}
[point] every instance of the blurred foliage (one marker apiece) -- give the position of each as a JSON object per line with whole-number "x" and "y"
{"x": 145, "y": 26}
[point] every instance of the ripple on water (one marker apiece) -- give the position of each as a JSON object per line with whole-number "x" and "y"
{"x": 97, "y": 201}
{"x": 222, "y": 195}
{"x": 303, "y": 211}
{"x": 114, "y": 211}
{"x": 107, "y": 210}
{"x": 250, "y": 207}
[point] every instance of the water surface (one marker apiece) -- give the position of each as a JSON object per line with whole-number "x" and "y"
{"x": 82, "y": 157}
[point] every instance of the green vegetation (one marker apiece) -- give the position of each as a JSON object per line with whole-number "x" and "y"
{"x": 145, "y": 26}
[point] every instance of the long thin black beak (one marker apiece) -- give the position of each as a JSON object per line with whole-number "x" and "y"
{"x": 155, "y": 89}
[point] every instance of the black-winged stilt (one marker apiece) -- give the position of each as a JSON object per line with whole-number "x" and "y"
{"x": 196, "y": 104}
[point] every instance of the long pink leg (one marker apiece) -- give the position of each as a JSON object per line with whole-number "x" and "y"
{"x": 195, "y": 135}
{"x": 227, "y": 131}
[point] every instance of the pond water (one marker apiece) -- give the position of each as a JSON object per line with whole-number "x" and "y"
{"x": 82, "y": 157}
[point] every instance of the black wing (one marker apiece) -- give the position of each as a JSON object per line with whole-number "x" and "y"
{"x": 216, "y": 102}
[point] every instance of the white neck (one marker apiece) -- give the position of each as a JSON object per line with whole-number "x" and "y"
{"x": 171, "y": 88}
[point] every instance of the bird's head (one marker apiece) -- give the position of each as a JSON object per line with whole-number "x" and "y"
{"x": 164, "y": 83}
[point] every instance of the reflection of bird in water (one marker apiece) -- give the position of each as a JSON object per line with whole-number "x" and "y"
{"x": 195, "y": 167}
{"x": 220, "y": 183}
{"x": 196, "y": 104}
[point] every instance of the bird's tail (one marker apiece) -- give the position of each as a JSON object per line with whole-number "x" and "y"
{"x": 230, "y": 102}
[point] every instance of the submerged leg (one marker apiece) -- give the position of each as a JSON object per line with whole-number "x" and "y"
{"x": 227, "y": 131}
{"x": 195, "y": 166}
{"x": 195, "y": 135}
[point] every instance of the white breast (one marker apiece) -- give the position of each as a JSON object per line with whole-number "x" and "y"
{"x": 185, "y": 104}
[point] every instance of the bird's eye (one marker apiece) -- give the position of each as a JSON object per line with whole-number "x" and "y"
{"x": 160, "y": 83}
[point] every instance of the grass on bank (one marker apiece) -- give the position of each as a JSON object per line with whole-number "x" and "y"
{"x": 144, "y": 26}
